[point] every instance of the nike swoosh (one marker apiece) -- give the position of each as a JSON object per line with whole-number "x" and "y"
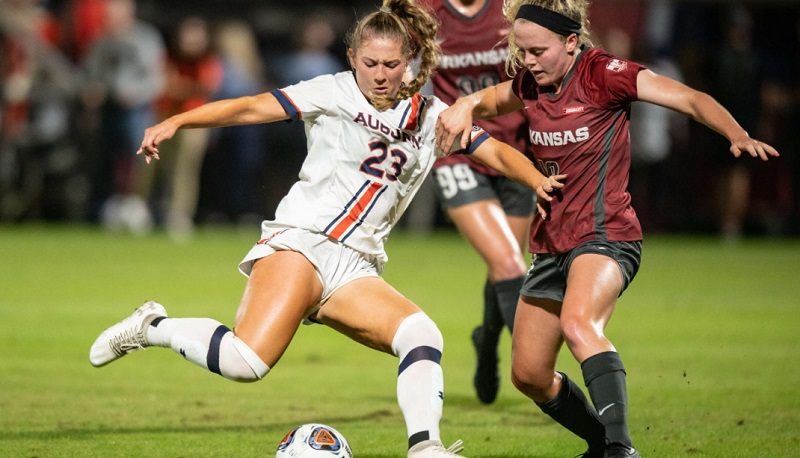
{"x": 601, "y": 411}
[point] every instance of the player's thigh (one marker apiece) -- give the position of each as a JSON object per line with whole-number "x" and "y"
{"x": 594, "y": 283}
{"x": 521, "y": 228}
{"x": 536, "y": 340}
{"x": 368, "y": 310}
{"x": 519, "y": 205}
{"x": 485, "y": 226}
{"x": 280, "y": 291}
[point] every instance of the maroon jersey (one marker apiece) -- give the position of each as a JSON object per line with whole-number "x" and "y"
{"x": 583, "y": 132}
{"x": 474, "y": 51}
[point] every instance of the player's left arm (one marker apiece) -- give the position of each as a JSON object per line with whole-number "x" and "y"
{"x": 701, "y": 107}
{"x": 513, "y": 164}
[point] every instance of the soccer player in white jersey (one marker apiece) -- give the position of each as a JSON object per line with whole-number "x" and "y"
{"x": 371, "y": 144}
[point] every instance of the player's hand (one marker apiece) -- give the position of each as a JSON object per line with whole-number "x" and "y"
{"x": 544, "y": 192}
{"x": 539, "y": 209}
{"x": 549, "y": 186}
{"x": 153, "y": 136}
{"x": 454, "y": 122}
{"x": 753, "y": 147}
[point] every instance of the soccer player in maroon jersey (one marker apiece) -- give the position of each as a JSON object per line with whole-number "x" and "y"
{"x": 492, "y": 212}
{"x": 587, "y": 250}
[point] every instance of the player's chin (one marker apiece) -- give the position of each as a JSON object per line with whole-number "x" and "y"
{"x": 542, "y": 78}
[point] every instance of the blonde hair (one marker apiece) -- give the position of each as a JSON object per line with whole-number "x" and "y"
{"x": 236, "y": 40}
{"x": 415, "y": 27}
{"x": 577, "y": 10}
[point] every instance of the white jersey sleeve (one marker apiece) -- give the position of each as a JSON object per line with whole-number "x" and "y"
{"x": 363, "y": 165}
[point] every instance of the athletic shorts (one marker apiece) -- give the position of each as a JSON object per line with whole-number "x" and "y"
{"x": 458, "y": 185}
{"x": 336, "y": 263}
{"x": 547, "y": 277}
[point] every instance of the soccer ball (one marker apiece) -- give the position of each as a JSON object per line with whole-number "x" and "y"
{"x": 314, "y": 440}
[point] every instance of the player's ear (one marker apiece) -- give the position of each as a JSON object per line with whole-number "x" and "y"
{"x": 351, "y": 58}
{"x": 571, "y": 42}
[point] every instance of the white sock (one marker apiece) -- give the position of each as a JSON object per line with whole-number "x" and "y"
{"x": 209, "y": 344}
{"x": 420, "y": 383}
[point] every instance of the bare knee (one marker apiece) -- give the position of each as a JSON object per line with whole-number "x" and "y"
{"x": 583, "y": 337}
{"x": 506, "y": 265}
{"x": 539, "y": 385}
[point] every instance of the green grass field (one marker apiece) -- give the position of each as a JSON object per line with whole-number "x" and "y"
{"x": 708, "y": 332}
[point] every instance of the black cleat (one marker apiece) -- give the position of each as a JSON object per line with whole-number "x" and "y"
{"x": 487, "y": 379}
{"x": 591, "y": 454}
{"x": 621, "y": 451}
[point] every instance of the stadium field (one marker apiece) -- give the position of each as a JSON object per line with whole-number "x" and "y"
{"x": 709, "y": 333}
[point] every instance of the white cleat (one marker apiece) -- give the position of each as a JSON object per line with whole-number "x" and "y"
{"x": 126, "y": 336}
{"x": 435, "y": 449}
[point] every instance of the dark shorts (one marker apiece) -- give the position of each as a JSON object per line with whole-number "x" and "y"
{"x": 547, "y": 277}
{"x": 458, "y": 185}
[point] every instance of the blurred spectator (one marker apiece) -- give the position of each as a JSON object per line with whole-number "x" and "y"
{"x": 737, "y": 86}
{"x": 237, "y": 154}
{"x": 193, "y": 74}
{"x": 772, "y": 198}
{"x": 654, "y": 131}
{"x": 124, "y": 75}
{"x": 312, "y": 54}
{"x": 38, "y": 166}
{"x": 83, "y": 22}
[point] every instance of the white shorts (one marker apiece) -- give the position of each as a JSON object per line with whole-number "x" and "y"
{"x": 336, "y": 263}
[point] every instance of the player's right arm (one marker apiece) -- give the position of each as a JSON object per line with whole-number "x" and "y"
{"x": 257, "y": 109}
{"x": 513, "y": 164}
{"x": 487, "y": 103}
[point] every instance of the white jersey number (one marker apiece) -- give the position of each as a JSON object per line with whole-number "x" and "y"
{"x": 451, "y": 178}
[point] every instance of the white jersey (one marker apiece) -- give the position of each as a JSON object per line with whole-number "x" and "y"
{"x": 363, "y": 166}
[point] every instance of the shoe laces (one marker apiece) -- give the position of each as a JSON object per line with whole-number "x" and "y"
{"x": 457, "y": 447}
{"x": 127, "y": 341}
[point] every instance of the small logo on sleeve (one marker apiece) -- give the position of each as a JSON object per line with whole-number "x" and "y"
{"x": 617, "y": 65}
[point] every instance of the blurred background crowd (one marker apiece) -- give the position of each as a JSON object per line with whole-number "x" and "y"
{"x": 80, "y": 80}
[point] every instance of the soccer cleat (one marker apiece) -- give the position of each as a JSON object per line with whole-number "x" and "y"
{"x": 126, "y": 336}
{"x": 435, "y": 449}
{"x": 591, "y": 454}
{"x": 487, "y": 378}
{"x": 621, "y": 451}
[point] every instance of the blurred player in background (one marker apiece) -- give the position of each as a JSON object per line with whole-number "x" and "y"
{"x": 371, "y": 144}
{"x": 577, "y": 101}
{"x": 491, "y": 211}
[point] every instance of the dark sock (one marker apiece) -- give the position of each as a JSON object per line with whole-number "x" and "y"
{"x": 492, "y": 319}
{"x": 507, "y": 296}
{"x": 572, "y": 410}
{"x": 416, "y": 438}
{"x": 604, "y": 376}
